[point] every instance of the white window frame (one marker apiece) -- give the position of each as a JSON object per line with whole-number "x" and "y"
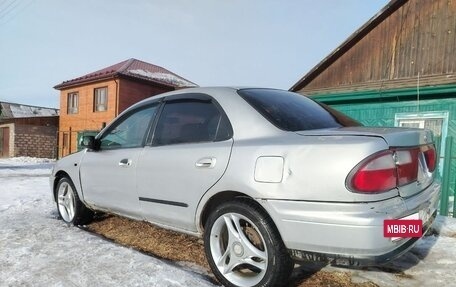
{"x": 73, "y": 103}
{"x": 100, "y": 99}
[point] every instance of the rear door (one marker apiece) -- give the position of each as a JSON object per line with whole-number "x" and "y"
{"x": 108, "y": 176}
{"x": 188, "y": 154}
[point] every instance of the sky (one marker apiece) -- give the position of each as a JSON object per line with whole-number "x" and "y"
{"x": 265, "y": 43}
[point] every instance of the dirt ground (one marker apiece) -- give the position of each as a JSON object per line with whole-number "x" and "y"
{"x": 180, "y": 247}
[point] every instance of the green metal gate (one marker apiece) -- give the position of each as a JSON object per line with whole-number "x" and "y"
{"x": 85, "y": 133}
{"x": 447, "y": 203}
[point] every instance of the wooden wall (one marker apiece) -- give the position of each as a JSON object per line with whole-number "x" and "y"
{"x": 418, "y": 39}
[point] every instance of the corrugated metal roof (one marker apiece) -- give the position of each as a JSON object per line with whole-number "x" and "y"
{"x": 12, "y": 111}
{"x": 132, "y": 68}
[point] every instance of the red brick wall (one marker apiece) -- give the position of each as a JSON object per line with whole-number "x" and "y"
{"x": 133, "y": 92}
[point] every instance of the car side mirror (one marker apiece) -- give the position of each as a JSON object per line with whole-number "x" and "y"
{"x": 90, "y": 142}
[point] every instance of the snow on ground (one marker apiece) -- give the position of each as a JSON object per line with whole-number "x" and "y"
{"x": 25, "y": 166}
{"x": 430, "y": 262}
{"x": 37, "y": 249}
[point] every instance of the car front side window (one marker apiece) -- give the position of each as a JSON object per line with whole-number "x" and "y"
{"x": 130, "y": 131}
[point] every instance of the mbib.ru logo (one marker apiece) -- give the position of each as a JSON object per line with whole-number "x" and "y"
{"x": 403, "y": 228}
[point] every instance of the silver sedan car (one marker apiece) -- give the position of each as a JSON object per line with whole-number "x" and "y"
{"x": 265, "y": 176}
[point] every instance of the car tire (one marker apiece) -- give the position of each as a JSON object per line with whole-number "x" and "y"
{"x": 256, "y": 256}
{"x": 70, "y": 207}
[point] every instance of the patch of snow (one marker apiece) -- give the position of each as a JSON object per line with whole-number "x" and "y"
{"x": 429, "y": 263}
{"x": 23, "y": 166}
{"x": 37, "y": 249}
{"x": 164, "y": 77}
{"x": 445, "y": 226}
{"x": 20, "y": 161}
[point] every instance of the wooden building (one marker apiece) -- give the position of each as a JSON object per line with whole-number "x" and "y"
{"x": 89, "y": 102}
{"x": 398, "y": 69}
{"x": 28, "y": 131}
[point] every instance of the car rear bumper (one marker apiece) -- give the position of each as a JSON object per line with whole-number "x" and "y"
{"x": 349, "y": 233}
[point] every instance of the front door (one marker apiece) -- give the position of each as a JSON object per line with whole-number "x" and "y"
{"x": 188, "y": 155}
{"x": 4, "y": 142}
{"x": 108, "y": 175}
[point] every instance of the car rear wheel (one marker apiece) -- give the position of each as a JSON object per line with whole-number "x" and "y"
{"x": 70, "y": 207}
{"x": 244, "y": 248}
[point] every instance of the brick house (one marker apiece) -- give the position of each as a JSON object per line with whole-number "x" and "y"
{"x": 28, "y": 131}
{"x": 89, "y": 102}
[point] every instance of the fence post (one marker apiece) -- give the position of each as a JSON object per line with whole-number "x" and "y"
{"x": 454, "y": 202}
{"x": 440, "y": 156}
{"x": 445, "y": 193}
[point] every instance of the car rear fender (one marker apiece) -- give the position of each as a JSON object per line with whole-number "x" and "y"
{"x": 314, "y": 168}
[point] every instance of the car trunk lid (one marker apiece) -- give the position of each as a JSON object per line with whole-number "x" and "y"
{"x": 394, "y": 137}
{"x": 412, "y": 150}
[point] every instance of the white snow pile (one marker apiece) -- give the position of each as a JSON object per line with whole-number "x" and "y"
{"x": 163, "y": 77}
{"x": 37, "y": 249}
{"x": 23, "y": 160}
{"x": 23, "y": 166}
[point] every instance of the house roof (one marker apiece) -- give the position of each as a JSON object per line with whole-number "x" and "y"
{"x": 389, "y": 9}
{"x": 12, "y": 111}
{"x": 131, "y": 68}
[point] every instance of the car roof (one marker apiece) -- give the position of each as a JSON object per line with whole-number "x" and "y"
{"x": 235, "y": 107}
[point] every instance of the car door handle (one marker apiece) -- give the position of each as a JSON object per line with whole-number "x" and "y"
{"x": 207, "y": 162}
{"x": 125, "y": 162}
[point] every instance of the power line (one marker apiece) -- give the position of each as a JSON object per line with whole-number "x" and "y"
{"x": 8, "y": 9}
{"x": 18, "y": 8}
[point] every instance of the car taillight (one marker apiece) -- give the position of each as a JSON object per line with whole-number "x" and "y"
{"x": 375, "y": 174}
{"x": 431, "y": 157}
{"x": 407, "y": 165}
{"x": 390, "y": 169}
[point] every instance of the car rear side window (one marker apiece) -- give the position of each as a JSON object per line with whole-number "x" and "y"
{"x": 293, "y": 112}
{"x": 190, "y": 121}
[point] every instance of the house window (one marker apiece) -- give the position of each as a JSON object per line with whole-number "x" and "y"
{"x": 73, "y": 103}
{"x": 100, "y": 101}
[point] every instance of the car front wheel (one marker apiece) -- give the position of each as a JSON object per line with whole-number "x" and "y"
{"x": 244, "y": 248}
{"x": 70, "y": 207}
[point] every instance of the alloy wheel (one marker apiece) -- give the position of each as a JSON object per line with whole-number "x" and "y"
{"x": 238, "y": 249}
{"x": 66, "y": 202}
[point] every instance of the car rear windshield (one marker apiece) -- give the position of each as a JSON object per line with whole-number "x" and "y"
{"x": 293, "y": 112}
